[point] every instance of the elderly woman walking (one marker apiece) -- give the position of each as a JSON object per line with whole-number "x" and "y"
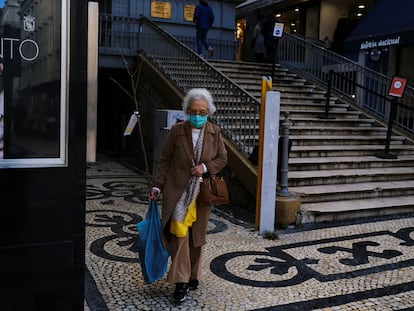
{"x": 193, "y": 148}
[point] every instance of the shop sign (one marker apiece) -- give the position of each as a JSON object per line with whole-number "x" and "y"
{"x": 372, "y": 44}
{"x": 278, "y": 30}
{"x": 33, "y": 84}
{"x": 397, "y": 87}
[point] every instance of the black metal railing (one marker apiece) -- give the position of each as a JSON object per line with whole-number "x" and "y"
{"x": 352, "y": 83}
{"x": 118, "y": 34}
{"x": 237, "y": 111}
{"x": 121, "y": 33}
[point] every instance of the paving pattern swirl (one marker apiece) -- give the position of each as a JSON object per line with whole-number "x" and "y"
{"x": 364, "y": 265}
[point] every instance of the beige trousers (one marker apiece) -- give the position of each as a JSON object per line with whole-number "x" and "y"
{"x": 185, "y": 259}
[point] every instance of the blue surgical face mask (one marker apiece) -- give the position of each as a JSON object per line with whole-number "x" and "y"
{"x": 197, "y": 121}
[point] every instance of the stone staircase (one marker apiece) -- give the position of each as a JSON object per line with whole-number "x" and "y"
{"x": 332, "y": 164}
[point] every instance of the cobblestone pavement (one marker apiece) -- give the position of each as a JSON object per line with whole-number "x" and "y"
{"x": 344, "y": 266}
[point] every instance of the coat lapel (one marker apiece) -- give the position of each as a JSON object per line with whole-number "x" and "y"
{"x": 208, "y": 139}
{"x": 188, "y": 142}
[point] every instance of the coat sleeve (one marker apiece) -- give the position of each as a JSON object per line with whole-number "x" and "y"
{"x": 165, "y": 160}
{"x": 219, "y": 160}
{"x": 211, "y": 17}
{"x": 195, "y": 15}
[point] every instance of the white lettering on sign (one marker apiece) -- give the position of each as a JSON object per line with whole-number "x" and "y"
{"x": 381, "y": 43}
{"x": 11, "y": 43}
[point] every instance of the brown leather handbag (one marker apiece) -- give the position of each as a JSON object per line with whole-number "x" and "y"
{"x": 213, "y": 190}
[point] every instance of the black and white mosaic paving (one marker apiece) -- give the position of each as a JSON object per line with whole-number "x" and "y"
{"x": 357, "y": 266}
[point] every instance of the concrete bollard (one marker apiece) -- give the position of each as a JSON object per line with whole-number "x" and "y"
{"x": 287, "y": 209}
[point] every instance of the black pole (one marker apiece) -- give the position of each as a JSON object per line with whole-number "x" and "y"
{"x": 328, "y": 97}
{"x": 328, "y": 93}
{"x": 386, "y": 153}
{"x": 274, "y": 57}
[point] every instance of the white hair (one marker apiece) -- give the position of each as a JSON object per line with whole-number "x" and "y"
{"x": 199, "y": 93}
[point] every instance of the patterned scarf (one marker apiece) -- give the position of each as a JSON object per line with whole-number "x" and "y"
{"x": 193, "y": 186}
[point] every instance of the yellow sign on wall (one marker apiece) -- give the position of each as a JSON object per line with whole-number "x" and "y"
{"x": 189, "y": 12}
{"x": 160, "y": 9}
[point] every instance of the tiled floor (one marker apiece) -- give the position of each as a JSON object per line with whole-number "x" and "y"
{"x": 367, "y": 265}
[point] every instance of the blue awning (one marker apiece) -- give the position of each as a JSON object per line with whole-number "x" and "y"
{"x": 388, "y": 23}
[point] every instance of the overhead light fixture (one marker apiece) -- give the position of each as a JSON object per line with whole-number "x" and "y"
{"x": 278, "y": 15}
{"x": 361, "y": 6}
{"x": 359, "y": 14}
{"x": 296, "y": 10}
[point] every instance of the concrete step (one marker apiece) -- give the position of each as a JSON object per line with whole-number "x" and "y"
{"x": 348, "y": 150}
{"x": 315, "y": 113}
{"x": 349, "y": 209}
{"x": 334, "y": 106}
{"x": 309, "y": 140}
{"x": 323, "y": 193}
{"x": 337, "y": 130}
{"x": 344, "y": 176}
{"x": 252, "y": 118}
{"x": 245, "y": 66}
{"x": 348, "y": 131}
{"x": 296, "y": 96}
{"x": 317, "y": 140}
{"x": 339, "y": 140}
{"x": 223, "y": 107}
{"x": 317, "y": 121}
{"x": 336, "y": 163}
{"x": 255, "y": 80}
{"x": 287, "y": 87}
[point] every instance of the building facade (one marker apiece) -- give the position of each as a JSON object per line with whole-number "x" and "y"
{"x": 341, "y": 26}
{"x": 120, "y": 17}
{"x": 42, "y": 163}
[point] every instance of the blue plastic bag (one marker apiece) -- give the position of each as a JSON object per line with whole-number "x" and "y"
{"x": 152, "y": 254}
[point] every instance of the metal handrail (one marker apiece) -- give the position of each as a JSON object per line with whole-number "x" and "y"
{"x": 237, "y": 110}
{"x": 354, "y": 84}
{"x": 118, "y": 34}
{"x": 121, "y": 32}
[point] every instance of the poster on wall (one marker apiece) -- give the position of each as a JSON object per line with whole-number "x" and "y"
{"x": 189, "y": 12}
{"x": 33, "y": 83}
{"x": 160, "y": 9}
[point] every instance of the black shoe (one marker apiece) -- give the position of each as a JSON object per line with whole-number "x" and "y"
{"x": 193, "y": 284}
{"x": 180, "y": 292}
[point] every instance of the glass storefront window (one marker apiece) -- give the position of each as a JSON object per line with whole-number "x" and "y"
{"x": 33, "y": 83}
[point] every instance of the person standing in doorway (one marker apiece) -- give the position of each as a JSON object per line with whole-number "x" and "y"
{"x": 203, "y": 19}
{"x": 258, "y": 45}
{"x": 270, "y": 43}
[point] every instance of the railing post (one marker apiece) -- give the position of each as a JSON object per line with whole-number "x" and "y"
{"x": 328, "y": 97}
{"x": 287, "y": 204}
{"x": 386, "y": 153}
{"x": 284, "y": 154}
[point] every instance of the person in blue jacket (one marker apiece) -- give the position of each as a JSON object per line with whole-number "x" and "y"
{"x": 203, "y": 19}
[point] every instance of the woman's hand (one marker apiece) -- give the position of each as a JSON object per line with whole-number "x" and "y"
{"x": 153, "y": 193}
{"x": 197, "y": 170}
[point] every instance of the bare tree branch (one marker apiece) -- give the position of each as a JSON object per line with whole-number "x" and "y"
{"x": 134, "y": 77}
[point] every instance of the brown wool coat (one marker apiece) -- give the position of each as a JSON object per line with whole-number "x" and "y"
{"x": 173, "y": 173}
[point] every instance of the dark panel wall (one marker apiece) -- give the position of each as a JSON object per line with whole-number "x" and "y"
{"x": 42, "y": 210}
